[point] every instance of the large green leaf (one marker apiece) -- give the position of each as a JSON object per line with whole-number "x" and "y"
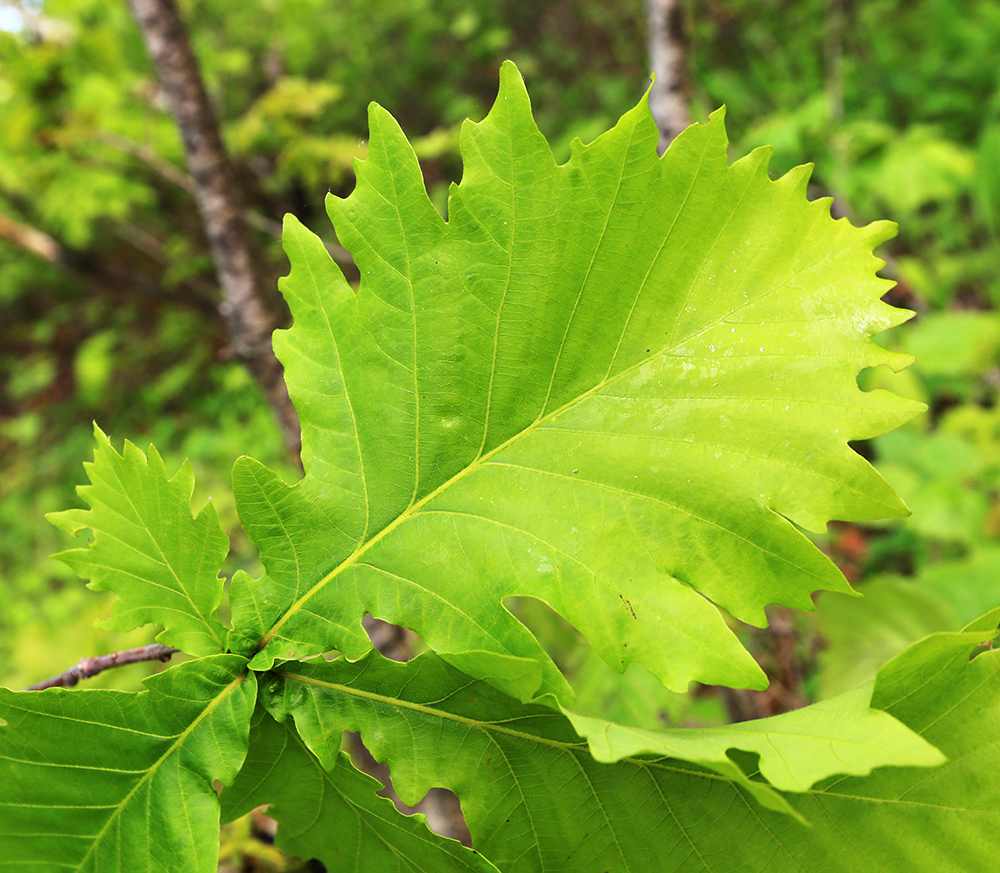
{"x": 162, "y": 563}
{"x": 533, "y": 794}
{"x": 112, "y": 782}
{"x": 616, "y": 385}
{"x": 335, "y": 816}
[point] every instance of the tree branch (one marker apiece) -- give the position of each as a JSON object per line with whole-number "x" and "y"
{"x": 251, "y": 321}
{"x": 35, "y": 241}
{"x": 104, "y": 277}
{"x": 87, "y": 667}
{"x": 167, "y": 171}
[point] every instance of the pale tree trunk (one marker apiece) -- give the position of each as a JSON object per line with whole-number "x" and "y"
{"x": 244, "y": 305}
{"x": 668, "y": 51}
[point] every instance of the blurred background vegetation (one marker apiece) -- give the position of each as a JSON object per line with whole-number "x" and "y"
{"x": 108, "y": 295}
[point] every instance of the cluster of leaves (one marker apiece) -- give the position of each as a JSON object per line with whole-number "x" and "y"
{"x": 619, "y": 385}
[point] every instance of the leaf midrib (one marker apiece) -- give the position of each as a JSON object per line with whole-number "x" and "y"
{"x": 414, "y": 508}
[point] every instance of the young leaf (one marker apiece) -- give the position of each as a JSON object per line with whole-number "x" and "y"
{"x": 335, "y": 817}
{"x": 532, "y": 791}
{"x": 616, "y": 385}
{"x": 111, "y": 782}
{"x": 161, "y": 563}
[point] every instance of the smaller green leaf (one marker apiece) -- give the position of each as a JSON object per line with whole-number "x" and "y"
{"x": 902, "y": 819}
{"x": 162, "y": 563}
{"x": 797, "y": 749}
{"x": 112, "y": 782}
{"x": 893, "y": 820}
{"x": 255, "y": 606}
{"x": 336, "y": 816}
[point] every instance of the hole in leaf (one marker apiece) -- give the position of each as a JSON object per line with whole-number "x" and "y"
{"x": 393, "y": 641}
{"x": 441, "y": 806}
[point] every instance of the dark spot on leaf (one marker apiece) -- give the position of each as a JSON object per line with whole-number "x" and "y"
{"x": 628, "y": 603}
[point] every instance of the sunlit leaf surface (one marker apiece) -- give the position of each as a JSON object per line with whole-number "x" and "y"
{"x": 616, "y": 385}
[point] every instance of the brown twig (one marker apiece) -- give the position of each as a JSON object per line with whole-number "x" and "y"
{"x": 87, "y": 667}
{"x": 104, "y": 276}
{"x": 778, "y": 651}
{"x": 35, "y": 241}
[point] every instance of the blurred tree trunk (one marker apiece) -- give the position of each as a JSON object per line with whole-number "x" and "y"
{"x": 250, "y": 318}
{"x": 668, "y": 53}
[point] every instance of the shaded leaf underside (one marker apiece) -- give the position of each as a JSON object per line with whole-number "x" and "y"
{"x": 335, "y": 816}
{"x": 536, "y": 799}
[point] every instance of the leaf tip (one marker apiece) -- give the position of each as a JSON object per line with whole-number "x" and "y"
{"x": 290, "y": 225}
{"x": 381, "y": 126}
{"x": 510, "y": 74}
{"x": 512, "y": 93}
